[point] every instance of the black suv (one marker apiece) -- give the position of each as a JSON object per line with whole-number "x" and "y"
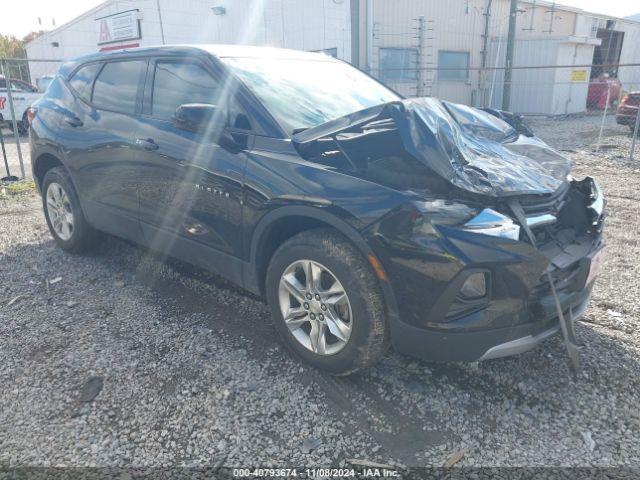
{"x": 365, "y": 219}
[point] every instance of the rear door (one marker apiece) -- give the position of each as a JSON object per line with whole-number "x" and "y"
{"x": 190, "y": 187}
{"x": 98, "y": 133}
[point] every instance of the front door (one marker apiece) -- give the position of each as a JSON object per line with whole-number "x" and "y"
{"x": 190, "y": 188}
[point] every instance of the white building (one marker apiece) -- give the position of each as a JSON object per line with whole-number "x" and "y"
{"x": 296, "y": 24}
{"x": 419, "y": 47}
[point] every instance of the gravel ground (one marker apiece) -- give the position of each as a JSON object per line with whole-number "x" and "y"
{"x": 119, "y": 358}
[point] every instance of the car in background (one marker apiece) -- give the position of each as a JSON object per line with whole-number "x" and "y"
{"x": 24, "y": 95}
{"x": 365, "y": 219}
{"x": 628, "y": 110}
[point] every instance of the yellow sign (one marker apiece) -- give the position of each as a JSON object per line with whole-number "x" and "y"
{"x": 578, "y": 75}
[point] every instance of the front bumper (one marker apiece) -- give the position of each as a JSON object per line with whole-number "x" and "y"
{"x": 426, "y": 273}
{"x": 628, "y": 119}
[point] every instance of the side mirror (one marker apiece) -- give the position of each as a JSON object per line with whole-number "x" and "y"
{"x": 200, "y": 118}
{"x": 208, "y": 120}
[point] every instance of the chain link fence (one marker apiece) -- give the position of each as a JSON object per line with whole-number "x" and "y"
{"x": 553, "y": 91}
{"x": 20, "y": 87}
{"x": 606, "y": 95}
{"x": 553, "y": 75}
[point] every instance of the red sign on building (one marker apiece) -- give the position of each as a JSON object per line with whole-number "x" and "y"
{"x": 118, "y": 27}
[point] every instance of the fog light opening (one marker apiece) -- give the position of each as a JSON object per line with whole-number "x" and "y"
{"x": 474, "y": 287}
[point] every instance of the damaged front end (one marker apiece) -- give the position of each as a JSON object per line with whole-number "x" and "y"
{"x": 496, "y": 247}
{"x": 472, "y": 284}
{"x": 414, "y": 144}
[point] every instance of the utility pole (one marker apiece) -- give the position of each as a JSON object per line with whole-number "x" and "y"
{"x": 419, "y": 62}
{"x": 485, "y": 54}
{"x": 511, "y": 40}
{"x": 485, "y": 34}
{"x": 160, "y": 20}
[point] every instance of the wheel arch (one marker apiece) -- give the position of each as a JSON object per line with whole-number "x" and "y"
{"x": 44, "y": 162}
{"x": 279, "y": 225}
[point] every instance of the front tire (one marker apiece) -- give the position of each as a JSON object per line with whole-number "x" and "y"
{"x": 63, "y": 213}
{"x": 326, "y": 302}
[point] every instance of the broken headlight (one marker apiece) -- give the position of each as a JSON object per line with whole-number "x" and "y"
{"x": 441, "y": 212}
{"x": 490, "y": 222}
{"x": 465, "y": 217}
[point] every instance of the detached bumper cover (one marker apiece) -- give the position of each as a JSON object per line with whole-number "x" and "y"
{"x": 524, "y": 344}
{"x": 470, "y": 346}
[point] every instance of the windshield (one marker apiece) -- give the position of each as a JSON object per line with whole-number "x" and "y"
{"x": 305, "y": 93}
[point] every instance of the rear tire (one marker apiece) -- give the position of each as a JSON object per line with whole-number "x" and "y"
{"x": 353, "y": 333}
{"x": 63, "y": 212}
{"x": 23, "y": 126}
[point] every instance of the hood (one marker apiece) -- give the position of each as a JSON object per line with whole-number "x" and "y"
{"x": 470, "y": 148}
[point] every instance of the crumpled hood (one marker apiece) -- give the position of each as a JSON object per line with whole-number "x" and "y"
{"x": 477, "y": 159}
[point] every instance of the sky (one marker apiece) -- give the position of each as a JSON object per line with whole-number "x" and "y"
{"x": 19, "y": 17}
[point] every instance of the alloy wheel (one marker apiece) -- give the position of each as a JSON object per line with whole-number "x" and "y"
{"x": 60, "y": 211}
{"x": 315, "y": 307}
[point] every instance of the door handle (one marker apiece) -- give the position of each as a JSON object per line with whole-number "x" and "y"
{"x": 74, "y": 122}
{"x": 147, "y": 143}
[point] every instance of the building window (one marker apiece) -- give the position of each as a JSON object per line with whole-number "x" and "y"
{"x": 457, "y": 62}
{"x": 594, "y": 28}
{"x": 398, "y": 65}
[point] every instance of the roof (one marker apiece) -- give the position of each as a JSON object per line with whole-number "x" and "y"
{"x": 219, "y": 51}
{"x": 247, "y": 51}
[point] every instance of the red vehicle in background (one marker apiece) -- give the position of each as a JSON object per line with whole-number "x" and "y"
{"x": 628, "y": 110}
{"x": 601, "y": 88}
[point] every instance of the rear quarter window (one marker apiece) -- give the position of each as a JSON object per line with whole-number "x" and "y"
{"x": 116, "y": 87}
{"x": 82, "y": 80}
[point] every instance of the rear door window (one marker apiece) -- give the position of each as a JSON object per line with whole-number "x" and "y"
{"x": 117, "y": 85}
{"x": 82, "y": 80}
{"x": 177, "y": 83}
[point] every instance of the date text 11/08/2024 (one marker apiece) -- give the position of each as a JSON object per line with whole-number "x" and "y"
{"x": 363, "y": 472}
